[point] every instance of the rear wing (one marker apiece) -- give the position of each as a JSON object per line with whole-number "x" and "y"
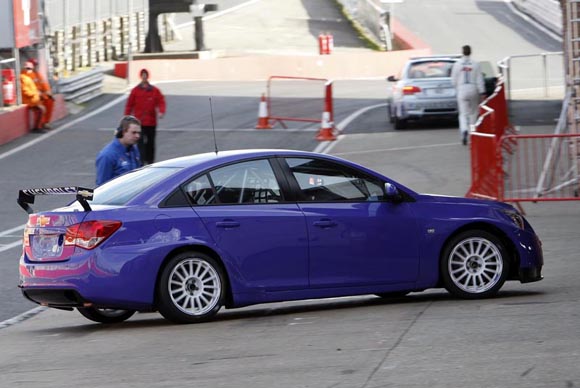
{"x": 26, "y": 196}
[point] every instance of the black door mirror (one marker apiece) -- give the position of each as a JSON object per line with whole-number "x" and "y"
{"x": 392, "y": 78}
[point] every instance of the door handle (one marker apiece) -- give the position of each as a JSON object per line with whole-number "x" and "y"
{"x": 324, "y": 224}
{"x": 227, "y": 224}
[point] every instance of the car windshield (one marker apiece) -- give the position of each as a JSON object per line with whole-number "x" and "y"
{"x": 430, "y": 69}
{"x": 121, "y": 190}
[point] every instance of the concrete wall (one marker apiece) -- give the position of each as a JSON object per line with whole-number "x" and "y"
{"x": 15, "y": 121}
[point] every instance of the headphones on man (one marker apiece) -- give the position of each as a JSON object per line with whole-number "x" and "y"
{"x": 124, "y": 124}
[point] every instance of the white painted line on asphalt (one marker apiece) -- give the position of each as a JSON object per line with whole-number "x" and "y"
{"x": 326, "y": 146}
{"x": 397, "y": 149}
{"x": 7, "y": 247}
{"x": 22, "y": 317}
{"x": 11, "y": 231}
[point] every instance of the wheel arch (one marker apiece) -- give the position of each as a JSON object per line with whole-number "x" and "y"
{"x": 504, "y": 239}
{"x": 202, "y": 249}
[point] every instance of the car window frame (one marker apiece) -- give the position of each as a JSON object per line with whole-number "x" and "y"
{"x": 298, "y": 192}
{"x": 274, "y": 165}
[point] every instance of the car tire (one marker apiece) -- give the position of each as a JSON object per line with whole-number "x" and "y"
{"x": 105, "y": 315}
{"x": 399, "y": 123}
{"x": 191, "y": 288}
{"x": 474, "y": 265}
{"x": 390, "y": 114}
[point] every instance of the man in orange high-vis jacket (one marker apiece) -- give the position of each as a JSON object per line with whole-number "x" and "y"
{"x": 31, "y": 96}
{"x": 46, "y": 98}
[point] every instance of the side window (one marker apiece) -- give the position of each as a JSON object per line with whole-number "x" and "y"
{"x": 246, "y": 182}
{"x": 322, "y": 181}
{"x": 200, "y": 191}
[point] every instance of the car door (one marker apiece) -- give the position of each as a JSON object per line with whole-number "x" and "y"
{"x": 355, "y": 236}
{"x": 262, "y": 236}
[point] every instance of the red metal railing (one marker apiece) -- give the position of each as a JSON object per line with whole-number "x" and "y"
{"x": 314, "y": 98}
{"x": 527, "y": 175}
{"x": 520, "y": 168}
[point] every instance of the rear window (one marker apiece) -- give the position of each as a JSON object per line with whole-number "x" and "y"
{"x": 430, "y": 69}
{"x": 121, "y": 190}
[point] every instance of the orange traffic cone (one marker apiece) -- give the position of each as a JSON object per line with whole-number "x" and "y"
{"x": 327, "y": 128}
{"x": 263, "y": 119}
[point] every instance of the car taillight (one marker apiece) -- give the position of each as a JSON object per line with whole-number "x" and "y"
{"x": 90, "y": 234}
{"x": 411, "y": 90}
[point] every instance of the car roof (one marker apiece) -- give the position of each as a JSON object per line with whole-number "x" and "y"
{"x": 435, "y": 58}
{"x": 230, "y": 155}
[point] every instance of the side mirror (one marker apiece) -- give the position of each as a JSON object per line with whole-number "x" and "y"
{"x": 392, "y": 193}
{"x": 392, "y": 78}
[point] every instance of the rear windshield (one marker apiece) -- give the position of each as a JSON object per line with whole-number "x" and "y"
{"x": 430, "y": 69}
{"x": 121, "y": 190}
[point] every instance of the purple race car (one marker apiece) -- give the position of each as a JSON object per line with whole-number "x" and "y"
{"x": 187, "y": 236}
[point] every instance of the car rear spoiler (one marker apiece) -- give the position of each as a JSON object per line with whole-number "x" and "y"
{"x": 26, "y": 196}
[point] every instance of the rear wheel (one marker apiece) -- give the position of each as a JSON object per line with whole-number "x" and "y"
{"x": 105, "y": 315}
{"x": 390, "y": 114}
{"x": 191, "y": 288}
{"x": 399, "y": 123}
{"x": 474, "y": 265}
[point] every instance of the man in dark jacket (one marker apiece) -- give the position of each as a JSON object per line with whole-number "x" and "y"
{"x": 146, "y": 102}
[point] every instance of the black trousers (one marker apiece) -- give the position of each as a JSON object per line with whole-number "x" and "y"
{"x": 147, "y": 144}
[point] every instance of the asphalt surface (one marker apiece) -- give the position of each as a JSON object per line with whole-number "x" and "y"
{"x": 527, "y": 337}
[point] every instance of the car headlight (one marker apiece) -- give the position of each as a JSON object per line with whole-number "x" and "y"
{"x": 516, "y": 218}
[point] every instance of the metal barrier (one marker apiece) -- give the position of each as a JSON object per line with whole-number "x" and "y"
{"x": 83, "y": 87}
{"x": 522, "y": 172}
{"x": 484, "y": 170}
{"x": 305, "y": 100}
{"x": 509, "y": 167}
{"x": 527, "y": 80}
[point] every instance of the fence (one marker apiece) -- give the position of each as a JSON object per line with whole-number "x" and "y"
{"x": 549, "y": 66}
{"x": 299, "y": 99}
{"x": 525, "y": 177}
{"x": 510, "y": 167}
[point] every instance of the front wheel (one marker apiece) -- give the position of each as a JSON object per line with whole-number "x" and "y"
{"x": 191, "y": 288}
{"x": 105, "y": 315}
{"x": 474, "y": 265}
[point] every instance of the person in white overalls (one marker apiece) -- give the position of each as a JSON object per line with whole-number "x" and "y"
{"x": 468, "y": 82}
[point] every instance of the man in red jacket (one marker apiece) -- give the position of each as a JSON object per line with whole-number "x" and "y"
{"x": 146, "y": 102}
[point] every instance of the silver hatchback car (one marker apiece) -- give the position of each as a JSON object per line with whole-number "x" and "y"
{"x": 423, "y": 90}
